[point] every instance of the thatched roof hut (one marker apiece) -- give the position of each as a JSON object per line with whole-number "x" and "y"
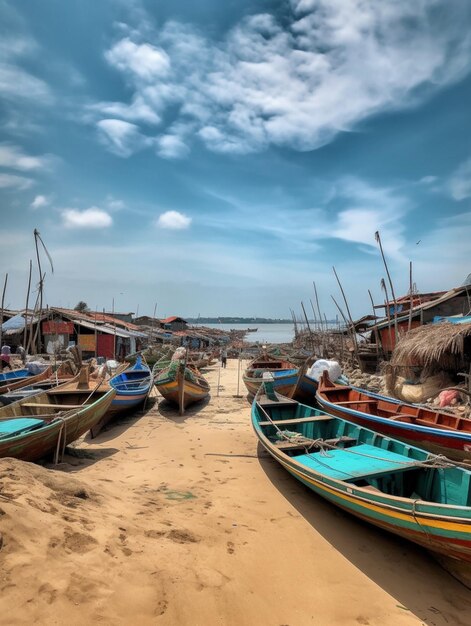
{"x": 442, "y": 346}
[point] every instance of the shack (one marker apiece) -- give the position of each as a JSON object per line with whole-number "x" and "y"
{"x": 429, "y": 359}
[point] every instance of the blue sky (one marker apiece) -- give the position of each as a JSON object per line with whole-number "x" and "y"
{"x": 217, "y": 157}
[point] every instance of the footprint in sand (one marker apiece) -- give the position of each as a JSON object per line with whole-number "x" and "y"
{"x": 47, "y": 593}
{"x": 78, "y": 542}
{"x": 230, "y": 547}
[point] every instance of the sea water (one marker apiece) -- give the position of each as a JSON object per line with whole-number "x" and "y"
{"x": 266, "y": 333}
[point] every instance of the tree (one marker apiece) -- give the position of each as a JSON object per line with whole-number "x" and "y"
{"x": 81, "y": 307}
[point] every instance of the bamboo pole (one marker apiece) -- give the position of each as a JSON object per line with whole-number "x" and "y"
{"x": 376, "y": 333}
{"x": 96, "y": 332}
{"x": 2, "y": 307}
{"x": 308, "y": 327}
{"x": 318, "y": 307}
{"x": 348, "y": 326}
{"x": 388, "y": 315}
{"x": 378, "y": 239}
{"x": 348, "y": 312}
{"x": 411, "y": 300}
{"x": 153, "y": 324}
{"x": 25, "y": 337}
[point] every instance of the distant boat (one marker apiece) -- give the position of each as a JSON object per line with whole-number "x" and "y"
{"x": 252, "y": 330}
{"x": 285, "y": 374}
{"x": 181, "y": 385}
{"x": 436, "y": 431}
{"x": 132, "y": 388}
{"x": 400, "y": 488}
{"x": 33, "y": 428}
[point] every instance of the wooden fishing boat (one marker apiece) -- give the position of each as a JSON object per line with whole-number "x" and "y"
{"x": 132, "y": 388}
{"x": 182, "y": 385}
{"x": 284, "y": 373}
{"x": 59, "y": 377}
{"x": 400, "y": 488}
{"x": 20, "y": 378}
{"x": 437, "y": 431}
{"x": 306, "y": 387}
{"x": 33, "y": 428}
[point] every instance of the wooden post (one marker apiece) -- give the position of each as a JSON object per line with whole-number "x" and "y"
{"x": 348, "y": 312}
{"x": 114, "y": 328}
{"x": 308, "y": 327}
{"x": 219, "y": 377}
{"x": 376, "y": 334}
{"x": 378, "y": 239}
{"x": 349, "y": 328}
{"x": 25, "y": 336}
{"x": 2, "y": 307}
{"x": 411, "y": 300}
{"x": 153, "y": 324}
{"x": 96, "y": 333}
{"x": 388, "y": 315}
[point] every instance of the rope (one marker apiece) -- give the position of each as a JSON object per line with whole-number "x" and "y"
{"x": 435, "y": 460}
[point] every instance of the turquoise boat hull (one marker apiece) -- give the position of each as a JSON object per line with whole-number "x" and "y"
{"x": 385, "y": 482}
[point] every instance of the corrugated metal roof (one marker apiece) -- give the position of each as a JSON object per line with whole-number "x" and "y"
{"x": 109, "y": 330}
{"x": 173, "y": 318}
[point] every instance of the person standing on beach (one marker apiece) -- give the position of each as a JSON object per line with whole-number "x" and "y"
{"x": 22, "y": 352}
{"x": 5, "y": 357}
{"x": 224, "y": 357}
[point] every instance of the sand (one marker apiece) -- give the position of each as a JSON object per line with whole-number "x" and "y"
{"x": 170, "y": 520}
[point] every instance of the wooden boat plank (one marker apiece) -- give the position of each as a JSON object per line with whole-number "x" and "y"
{"x": 299, "y": 420}
{"x": 54, "y": 407}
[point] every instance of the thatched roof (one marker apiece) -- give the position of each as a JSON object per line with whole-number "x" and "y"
{"x": 440, "y": 344}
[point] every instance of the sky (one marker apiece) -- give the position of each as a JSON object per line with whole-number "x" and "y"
{"x": 216, "y": 158}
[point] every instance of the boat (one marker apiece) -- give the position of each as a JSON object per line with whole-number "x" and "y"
{"x": 252, "y": 330}
{"x": 33, "y": 428}
{"x": 132, "y": 386}
{"x": 181, "y": 384}
{"x": 410, "y": 492}
{"x": 285, "y": 375}
{"x": 306, "y": 387}
{"x": 16, "y": 379}
{"x": 59, "y": 377}
{"x": 437, "y": 431}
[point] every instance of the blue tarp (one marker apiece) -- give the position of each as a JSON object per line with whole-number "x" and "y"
{"x": 17, "y": 322}
{"x": 465, "y": 319}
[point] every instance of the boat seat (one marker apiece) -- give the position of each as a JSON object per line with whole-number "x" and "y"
{"x": 299, "y": 420}
{"x": 400, "y": 417}
{"x": 53, "y": 407}
{"x": 362, "y": 461}
{"x": 269, "y": 403}
{"x": 358, "y": 402}
{"x": 12, "y": 427}
{"x": 442, "y": 426}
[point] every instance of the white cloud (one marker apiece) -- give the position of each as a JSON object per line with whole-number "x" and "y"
{"x": 122, "y": 138}
{"x": 171, "y": 147}
{"x": 428, "y": 180}
{"x": 39, "y": 202}
{"x": 173, "y": 220}
{"x": 13, "y": 156}
{"x": 143, "y": 60}
{"x": 329, "y": 66}
{"x": 14, "y": 182}
{"x": 93, "y": 217}
{"x": 460, "y": 182}
{"x": 114, "y": 204}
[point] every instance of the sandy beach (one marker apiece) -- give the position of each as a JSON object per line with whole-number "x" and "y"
{"x": 170, "y": 520}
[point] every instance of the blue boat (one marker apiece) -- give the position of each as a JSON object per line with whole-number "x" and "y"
{"x": 16, "y": 379}
{"x": 132, "y": 388}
